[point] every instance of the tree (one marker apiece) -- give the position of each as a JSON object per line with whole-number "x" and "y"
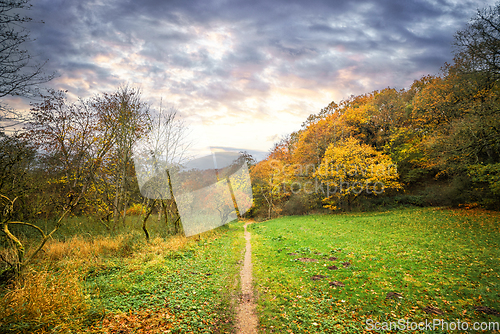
{"x": 128, "y": 115}
{"x": 16, "y": 158}
{"x": 351, "y": 169}
{"x": 158, "y": 155}
{"x": 479, "y": 42}
{"x": 313, "y": 141}
{"x": 71, "y": 142}
{"x": 268, "y": 179}
{"x": 19, "y": 74}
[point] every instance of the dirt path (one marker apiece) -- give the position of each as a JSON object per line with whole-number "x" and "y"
{"x": 246, "y": 319}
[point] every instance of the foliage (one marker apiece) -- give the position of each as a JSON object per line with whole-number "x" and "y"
{"x": 136, "y": 209}
{"x": 486, "y": 179}
{"x": 128, "y": 116}
{"x": 350, "y": 169}
{"x": 268, "y": 177}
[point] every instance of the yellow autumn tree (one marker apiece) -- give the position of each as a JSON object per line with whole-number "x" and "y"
{"x": 268, "y": 179}
{"x": 351, "y": 169}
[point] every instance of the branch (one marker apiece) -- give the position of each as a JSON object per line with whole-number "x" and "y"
{"x": 32, "y": 225}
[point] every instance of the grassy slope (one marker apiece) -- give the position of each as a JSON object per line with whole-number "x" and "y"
{"x": 184, "y": 291}
{"x": 114, "y": 284}
{"x": 448, "y": 259}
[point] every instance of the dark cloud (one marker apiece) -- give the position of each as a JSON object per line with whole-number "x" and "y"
{"x": 217, "y": 54}
{"x": 287, "y": 31}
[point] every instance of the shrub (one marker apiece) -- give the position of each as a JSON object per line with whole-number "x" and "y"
{"x": 136, "y": 210}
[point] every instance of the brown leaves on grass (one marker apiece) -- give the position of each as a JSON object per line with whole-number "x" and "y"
{"x": 432, "y": 310}
{"x": 487, "y": 310}
{"x": 333, "y": 267}
{"x": 337, "y": 283}
{"x": 143, "y": 322}
{"x": 346, "y": 264}
{"x": 317, "y": 277}
{"x": 333, "y": 258}
{"x": 306, "y": 259}
{"x": 393, "y": 295}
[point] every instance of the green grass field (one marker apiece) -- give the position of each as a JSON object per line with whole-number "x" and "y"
{"x": 442, "y": 261}
{"x": 188, "y": 290}
{"x": 312, "y": 274}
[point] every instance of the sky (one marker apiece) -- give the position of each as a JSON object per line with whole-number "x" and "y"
{"x": 249, "y": 71}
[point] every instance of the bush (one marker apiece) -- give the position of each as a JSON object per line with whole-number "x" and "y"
{"x": 136, "y": 210}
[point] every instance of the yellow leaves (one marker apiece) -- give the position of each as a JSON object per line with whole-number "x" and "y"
{"x": 359, "y": 115}
{"x": 350, "y": 168}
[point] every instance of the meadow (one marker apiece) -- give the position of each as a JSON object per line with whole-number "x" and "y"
{"x": 333, "y": 273}
{"x": 311, "y": 274}
{"x": 92, "y": 280}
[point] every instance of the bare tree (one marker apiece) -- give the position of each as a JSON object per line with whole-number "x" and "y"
{"x": 163, "y": 150}
{"x": 19, "y": 73}
{"x": 479, "y": 43}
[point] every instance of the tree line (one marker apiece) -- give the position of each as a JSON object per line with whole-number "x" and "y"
{"x": 76, "y": 159}
{"x": 435, "y": 143}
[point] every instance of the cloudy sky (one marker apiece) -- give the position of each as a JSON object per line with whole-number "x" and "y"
{"x": 252, "y": 71}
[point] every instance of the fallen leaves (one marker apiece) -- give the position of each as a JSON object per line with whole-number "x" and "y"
{"x": 337, "y": 283}
{"x": 393, "y": 295}
{"x": 432, "y": 310}
{"x": 141, "y": 321}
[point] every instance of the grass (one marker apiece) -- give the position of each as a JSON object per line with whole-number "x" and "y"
{"x": 190, "y": 285}
{"x": 105, "y": 282}
{"x": 445, "y": 259}
{"x": 42, "y": 300}
{"x": 90, "y": 280}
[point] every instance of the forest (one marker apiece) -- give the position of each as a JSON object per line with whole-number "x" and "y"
{"x": 436, "y": 143}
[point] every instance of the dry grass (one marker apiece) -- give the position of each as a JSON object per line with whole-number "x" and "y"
{"x": 84, "y": 249}
{"x": 41, "y": 302}
{"x": 50, "y": 299}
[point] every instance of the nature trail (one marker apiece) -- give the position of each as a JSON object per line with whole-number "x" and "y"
{"x": 246, "y": 318}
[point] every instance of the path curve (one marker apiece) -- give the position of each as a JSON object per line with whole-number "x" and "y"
{"x": 246, "y": 318}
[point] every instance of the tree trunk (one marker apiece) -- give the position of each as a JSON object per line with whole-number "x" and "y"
{"x": 233, "y": 198}
{"x": 115, "y": 203}
{"x": 145, "y": 218}
{"x": 174, "y": 209}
